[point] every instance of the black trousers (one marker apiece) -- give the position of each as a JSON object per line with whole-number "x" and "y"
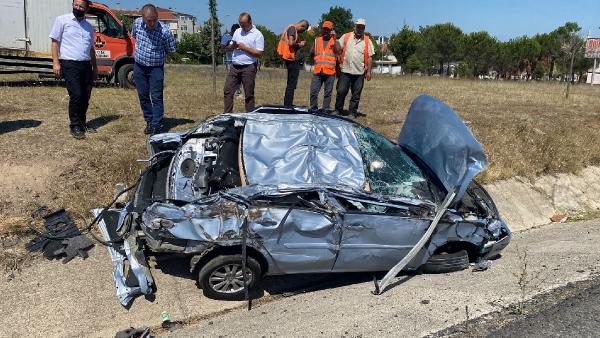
{"x": 78, "y": 77}
{"x": 293, "y": 71}
{"x": 349, "y": 82}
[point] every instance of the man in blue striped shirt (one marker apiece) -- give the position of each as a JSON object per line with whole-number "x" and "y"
{"x": 154, "y": 41}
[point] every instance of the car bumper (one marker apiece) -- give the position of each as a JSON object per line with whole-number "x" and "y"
{"x": 493, "y": 248}
{"x": 125, "y": 259}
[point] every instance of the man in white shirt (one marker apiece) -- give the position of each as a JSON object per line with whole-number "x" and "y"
{"x": 355, "y": 66}
{"x": 74, "y": 58}
{"x": 248, "y": 45}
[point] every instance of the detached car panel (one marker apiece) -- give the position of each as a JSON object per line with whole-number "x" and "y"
{"x": 304, "y": 193}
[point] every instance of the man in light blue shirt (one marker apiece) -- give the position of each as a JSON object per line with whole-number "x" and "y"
{"x": 248, "y": 45}
{"x": 74, "y": 58}
{"x": 154, "y": 41}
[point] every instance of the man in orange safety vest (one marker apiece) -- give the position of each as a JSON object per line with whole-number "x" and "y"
{"x": 324, "y": 51}
{"x": 355, "y": 63}
{"x": 289, "y": 51}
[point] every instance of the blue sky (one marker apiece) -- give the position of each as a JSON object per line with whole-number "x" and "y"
{"x": 504, "y": 19}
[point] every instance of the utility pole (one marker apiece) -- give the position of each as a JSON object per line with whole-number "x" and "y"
{"x": 212, "y": 4}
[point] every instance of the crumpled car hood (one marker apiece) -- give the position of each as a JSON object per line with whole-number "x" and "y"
{"x": 435, "y": 133}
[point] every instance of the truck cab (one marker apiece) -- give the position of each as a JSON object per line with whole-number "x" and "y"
{"x": 114, "y": 45}
{"x": 25, "y": 46}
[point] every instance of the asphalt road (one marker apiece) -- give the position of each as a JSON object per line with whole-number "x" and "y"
{"x": 575, "y": 316}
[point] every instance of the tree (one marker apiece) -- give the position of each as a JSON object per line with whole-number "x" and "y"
{"x": 340, "y": 17}
{"x": 441, "y": 42}
{"x": 205, "y": 55}
{"x": 270, "y": 57}
{"x": 479, "y": 51}
{"x": 126, "y": 20}
{"x": 524, "y": 53}
{"x": 404, "y": 44}
{"x": 538, "y": 71}
{"x": 413, "y": 63}
{"x": 189, "y": 44}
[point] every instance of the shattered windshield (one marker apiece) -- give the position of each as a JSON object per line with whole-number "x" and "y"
{"x": 389, "y": 170}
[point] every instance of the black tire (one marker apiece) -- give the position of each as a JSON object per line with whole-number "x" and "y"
{"x": 125, "y": 76}
{"x": 447, "y": 262}
{"x": 210, "y": 274}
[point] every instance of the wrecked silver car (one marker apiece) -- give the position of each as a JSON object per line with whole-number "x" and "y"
{"x": 284, "y": 191}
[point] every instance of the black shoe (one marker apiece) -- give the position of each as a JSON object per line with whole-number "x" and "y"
{"x": 342, "y": 112}
{"x": 157, "y": 130}
{"x": 78, "y": 132}
{"x": 148, "y": 129}
{"x": 358, "y": 114}
{"x": 89, "y": 129}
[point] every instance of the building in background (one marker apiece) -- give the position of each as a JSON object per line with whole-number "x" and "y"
{"x": 186, "y": 23}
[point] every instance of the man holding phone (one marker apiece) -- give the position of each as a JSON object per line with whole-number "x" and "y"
{"x": 324, "y": 52}
{"x": 248, "y": 45}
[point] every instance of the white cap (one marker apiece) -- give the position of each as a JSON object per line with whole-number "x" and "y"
{"x": 360, "y": 21}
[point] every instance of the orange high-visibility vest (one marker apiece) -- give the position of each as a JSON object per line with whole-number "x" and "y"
{"x": 325, "y": 58}
{"x": 284, "y": 50}
{"x": 365, "y": 52}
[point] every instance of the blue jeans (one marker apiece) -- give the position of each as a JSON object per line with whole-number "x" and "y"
{"x": 149, "y": 82}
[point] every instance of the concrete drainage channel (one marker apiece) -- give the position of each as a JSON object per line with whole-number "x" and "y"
{"x": 77, "y": 299}
{"x": 526, "y": 204}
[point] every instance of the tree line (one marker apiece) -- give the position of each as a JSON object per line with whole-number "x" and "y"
{"x": 442, "y": 49}
{"x": 432, "y": 49}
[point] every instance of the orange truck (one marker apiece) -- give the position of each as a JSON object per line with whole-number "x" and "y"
{"x": 25, "y": 45}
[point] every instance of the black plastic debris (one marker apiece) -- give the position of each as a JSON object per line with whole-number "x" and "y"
{"x": 131, "y": 332}
{"x": 62, "y": 239}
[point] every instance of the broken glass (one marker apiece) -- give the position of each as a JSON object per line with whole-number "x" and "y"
{"x": 389, "y": 170}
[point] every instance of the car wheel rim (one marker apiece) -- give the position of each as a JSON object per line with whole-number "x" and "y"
{"x": 130, "y": 77}
{"x": 228, "y": 278}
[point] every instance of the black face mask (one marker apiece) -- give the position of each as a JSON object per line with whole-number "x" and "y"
{"x": 78, "y": 13}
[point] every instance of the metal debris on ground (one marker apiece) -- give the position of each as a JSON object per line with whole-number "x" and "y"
{"x": 131, "y": 332}
{"x": 482, "y": 265}
{"x": 61, "y": 240}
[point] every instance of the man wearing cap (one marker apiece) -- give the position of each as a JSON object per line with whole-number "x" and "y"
{"x": 355, "y": 64}
{"x": 324, "y": 52}
{"x": 289, "y": 50}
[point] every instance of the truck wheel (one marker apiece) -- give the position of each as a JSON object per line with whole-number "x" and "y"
{"x": 447, "y": 262}
{"x": 125, "y": 76}
{"x": 221, "y": 277}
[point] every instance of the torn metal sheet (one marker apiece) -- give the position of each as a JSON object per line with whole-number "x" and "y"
{"x": 301, "y": 149}
{"x": 126, "y": 257}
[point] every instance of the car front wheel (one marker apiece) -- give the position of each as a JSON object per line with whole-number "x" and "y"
{"x": 447, "y": 262}
{"x": 222, "y": 278}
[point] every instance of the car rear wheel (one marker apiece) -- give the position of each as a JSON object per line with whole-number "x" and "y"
{"x": 447, "y": 262}
{"x": 221, "y": 277}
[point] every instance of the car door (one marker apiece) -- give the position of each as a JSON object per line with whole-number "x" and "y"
{"x": 379, "y": 230}
{"x": 376, "y": 237}
{"x": 298, "y": 238}
{"x": 110, "y": 41}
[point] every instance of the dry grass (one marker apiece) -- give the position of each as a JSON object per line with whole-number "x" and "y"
{"x": 528, "y": 129}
